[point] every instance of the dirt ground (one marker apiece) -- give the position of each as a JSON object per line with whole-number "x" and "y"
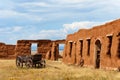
{"x": 55, "y": 70}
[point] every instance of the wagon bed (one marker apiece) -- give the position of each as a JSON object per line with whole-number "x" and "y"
{"x": 30, "y": 61}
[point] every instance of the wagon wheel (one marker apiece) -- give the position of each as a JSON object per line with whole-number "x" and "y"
{"x": 43, "y": 63}
{"x": 18, "y": 62}
{"x": 29, "y": 63}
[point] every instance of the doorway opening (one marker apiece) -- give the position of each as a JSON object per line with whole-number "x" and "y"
{"x": 109, "y": 45}
{"x": 70, "y": 54}
{"x": 97, "y": 53}
{"x": 81, "y": 47}
{"x": 61, "y": 48}
{"x": 88, "y": 47}
{"x": 34, "y": 48}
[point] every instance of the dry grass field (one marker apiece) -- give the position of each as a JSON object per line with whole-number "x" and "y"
{"x": 55, "y": 70}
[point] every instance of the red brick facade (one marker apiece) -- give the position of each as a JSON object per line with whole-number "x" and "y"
{"x": 99, "y": 46}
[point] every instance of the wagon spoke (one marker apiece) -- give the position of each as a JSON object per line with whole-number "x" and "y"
{"x": 29, "y": 63}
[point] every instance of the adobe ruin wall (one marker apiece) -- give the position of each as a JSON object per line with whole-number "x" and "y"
{"x": 7, "y": 51}
{"x": 49, "y": 49}
{"x": 23, "y": 47}
{"x": 82, "y": 45}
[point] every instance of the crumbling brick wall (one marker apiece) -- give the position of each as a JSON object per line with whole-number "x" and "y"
{"x": 23, "y": 47}
{"x": 3, "y": 50}
{"x": 7, "y": 51}
{"x": 44, "y": 47}
{"x": 10, "y": 49}
{"x": 82, "y": 45}
{"x": 53, "y": 53}
{"x": 49, "y": 49}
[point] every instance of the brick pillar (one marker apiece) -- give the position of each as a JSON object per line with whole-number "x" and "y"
{"x": 54, "y": 51}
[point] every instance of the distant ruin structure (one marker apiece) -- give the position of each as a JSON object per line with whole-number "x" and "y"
{"x": 49, "y": 49}
{"x": 98, "y": 47}
{"x": 7, "y": 50}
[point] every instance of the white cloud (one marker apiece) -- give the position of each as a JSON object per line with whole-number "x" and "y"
{"x": 53, "y": 12}
{"x": 80, "y": 25}
{"x": 14, "y": 14}
{"x": 37, "y": 7}
{"x": 10, "y": 30}
{"x": 7, "y": 4}
{"x": 7, "y": 13}
{"x": 17, "y": 28}
{"x": 45, "y": 34}
{"x": 84, "y": 9}
{"x": 35, "y": 4}
{"x": 110, "y": 2}
{"x": 5, "y": 30}
{"x": 70, "y": 1}
{"x": 48, "y": 34}
{"x": 64, "y": 31}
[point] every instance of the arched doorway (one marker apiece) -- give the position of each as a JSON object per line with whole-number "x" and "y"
{"x": 97, "y": 53}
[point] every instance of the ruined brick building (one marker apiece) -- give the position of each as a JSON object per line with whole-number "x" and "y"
{"x": 99, "y": 46}
{"x": 49, "y": 49}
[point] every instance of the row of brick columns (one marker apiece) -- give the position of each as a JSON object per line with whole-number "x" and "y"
{"x": 73, "y": 52}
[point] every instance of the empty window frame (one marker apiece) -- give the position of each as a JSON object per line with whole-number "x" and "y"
{"x": 34, "y": 47}
{"x": 70, "y": 45}
{"x": 81, "y": 47}
{"x": 61, "y": 48}
{"x": 109, "y": 45}
{"x": 88, "y": 47}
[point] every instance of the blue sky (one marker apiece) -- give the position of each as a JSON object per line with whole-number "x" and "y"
{"x": 52, "y": 19}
